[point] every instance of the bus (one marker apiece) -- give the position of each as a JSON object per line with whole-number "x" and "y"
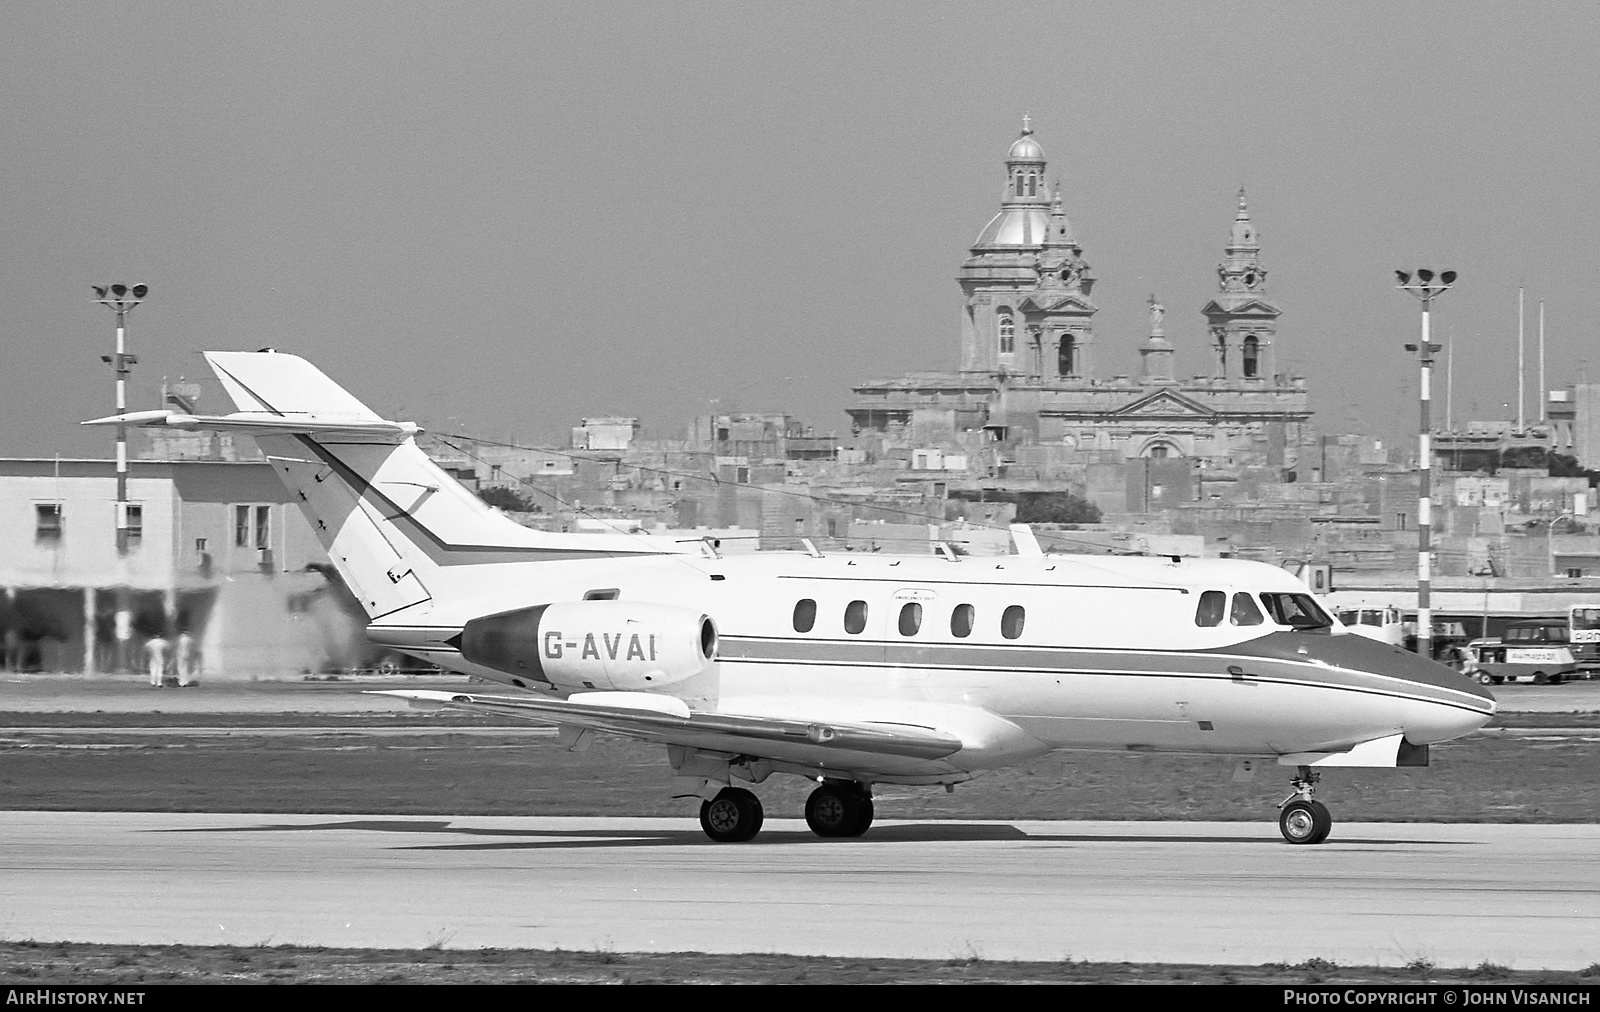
{"x": 1584, "y": 622}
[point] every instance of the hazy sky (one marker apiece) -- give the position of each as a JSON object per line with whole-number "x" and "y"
{"x": 496, "y": 218}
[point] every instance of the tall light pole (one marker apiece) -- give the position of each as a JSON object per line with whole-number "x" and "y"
{"x": 121, "y": 299}
{"x": 1426, "y": 287}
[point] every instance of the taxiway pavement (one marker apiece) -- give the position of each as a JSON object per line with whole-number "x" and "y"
{"x": 1526, "y": 896}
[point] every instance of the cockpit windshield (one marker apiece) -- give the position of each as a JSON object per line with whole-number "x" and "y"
{"x": 1298, "y": 610}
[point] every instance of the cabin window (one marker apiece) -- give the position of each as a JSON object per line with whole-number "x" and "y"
{"x": 1212, "y": 605}
{"x": 910, "y": 619}
{"x": 805, "y": 615}
{"x": 855, "y": 617}
{"x": 1011, "y": 622}
{"x": 1245, "y": 611}
{"x": 961, "y": 621}
{"x": 606, "y": 594}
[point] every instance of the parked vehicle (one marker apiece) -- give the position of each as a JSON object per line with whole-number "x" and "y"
{"x": 1537, "y": 651}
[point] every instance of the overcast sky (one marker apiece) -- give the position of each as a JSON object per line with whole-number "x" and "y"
{"x": 498, "y": 218}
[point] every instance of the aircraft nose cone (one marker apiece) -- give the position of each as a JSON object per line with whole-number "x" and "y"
{"x": 1451, "y": 705}
{"x": 1428, "y": 701}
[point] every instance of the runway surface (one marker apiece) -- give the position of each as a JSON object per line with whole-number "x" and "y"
{"x": 35, "y": 693}
{"x": 1526, "y": 896}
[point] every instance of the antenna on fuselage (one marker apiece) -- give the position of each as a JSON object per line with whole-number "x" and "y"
{"x": 1026, "y": 544}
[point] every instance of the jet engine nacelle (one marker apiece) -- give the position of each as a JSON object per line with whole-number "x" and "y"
{"x": 630, "y": 646}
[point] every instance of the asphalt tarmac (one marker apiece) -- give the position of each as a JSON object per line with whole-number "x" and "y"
{"x": 1524, "y": 896}
{"x": 133, "y": 694}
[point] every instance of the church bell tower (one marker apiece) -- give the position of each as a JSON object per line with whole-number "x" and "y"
{"x": 1241, "y": 321}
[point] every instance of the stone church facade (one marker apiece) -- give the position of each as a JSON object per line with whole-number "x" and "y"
{"x": 1028, "y": 370}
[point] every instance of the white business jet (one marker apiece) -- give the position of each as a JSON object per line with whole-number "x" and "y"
{"x": 850, "y": 670}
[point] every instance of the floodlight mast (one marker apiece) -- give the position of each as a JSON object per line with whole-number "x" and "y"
{"x": 121, "y": 299}
{"x": 1426, "y": 287}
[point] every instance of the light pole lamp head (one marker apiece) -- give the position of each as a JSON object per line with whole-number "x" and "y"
{"x": 1426, "y": 286}
{"x": 120, "y": 298}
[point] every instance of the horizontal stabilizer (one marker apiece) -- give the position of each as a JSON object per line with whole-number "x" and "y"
{"x": 260, "y": 423}
{"x": 659, "y": 718}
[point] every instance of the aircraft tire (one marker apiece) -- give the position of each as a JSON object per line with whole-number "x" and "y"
{"x": 835, "y": 809}
{"x": 1305, "y": 822}
{"x": 733, "y": 816}
{"x": 863, "y": 818}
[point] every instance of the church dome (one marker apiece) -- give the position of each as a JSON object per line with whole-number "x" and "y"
{"x": 1025, "y": 149}
{"x": 1016, "y": 226}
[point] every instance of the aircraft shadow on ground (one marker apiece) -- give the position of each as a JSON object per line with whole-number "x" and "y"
{"x": 918, "y": 832}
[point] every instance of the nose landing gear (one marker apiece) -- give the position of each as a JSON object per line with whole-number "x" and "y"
{"x": 1304, "y": 819}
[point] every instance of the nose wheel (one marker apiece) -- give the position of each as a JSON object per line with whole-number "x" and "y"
{"x": 1304, "y": 819}
{"x": 1305, "y": 822}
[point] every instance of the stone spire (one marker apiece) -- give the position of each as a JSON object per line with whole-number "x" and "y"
{"x": 1241, "y": 270}
{"x": 1241, "y": 320}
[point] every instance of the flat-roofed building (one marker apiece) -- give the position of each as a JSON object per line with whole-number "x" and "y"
{"x": 215, "y": 548}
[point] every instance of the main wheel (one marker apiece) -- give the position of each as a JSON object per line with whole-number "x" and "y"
{"x": 837, "y": 809}
{"x": 863, "y": 817}
{"x": 1305, "y": 822}
{"x": 733, "y": 816}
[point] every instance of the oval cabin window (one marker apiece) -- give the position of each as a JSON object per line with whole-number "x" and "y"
{"x": 805, "y": 615}
{"x": 855, "y": 617}
{"x": 910, "y": 619}
{"x": 961, "y": 621}
{"x": 1011, "y": 622}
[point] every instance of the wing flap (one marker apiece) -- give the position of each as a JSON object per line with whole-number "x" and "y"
{"x": 656, "y": 719}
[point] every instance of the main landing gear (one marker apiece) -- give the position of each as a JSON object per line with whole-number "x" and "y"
{"x": 733, "y": 816}
{"x": 1304, "y": 819}
{"x": 837, "y": 808}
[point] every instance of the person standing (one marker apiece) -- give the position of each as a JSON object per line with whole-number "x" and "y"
{"x": 187, "y": 659}
{"x": 155, "y": 655}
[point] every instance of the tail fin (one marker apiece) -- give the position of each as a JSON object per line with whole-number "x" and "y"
{"x": 393, "y": 522}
